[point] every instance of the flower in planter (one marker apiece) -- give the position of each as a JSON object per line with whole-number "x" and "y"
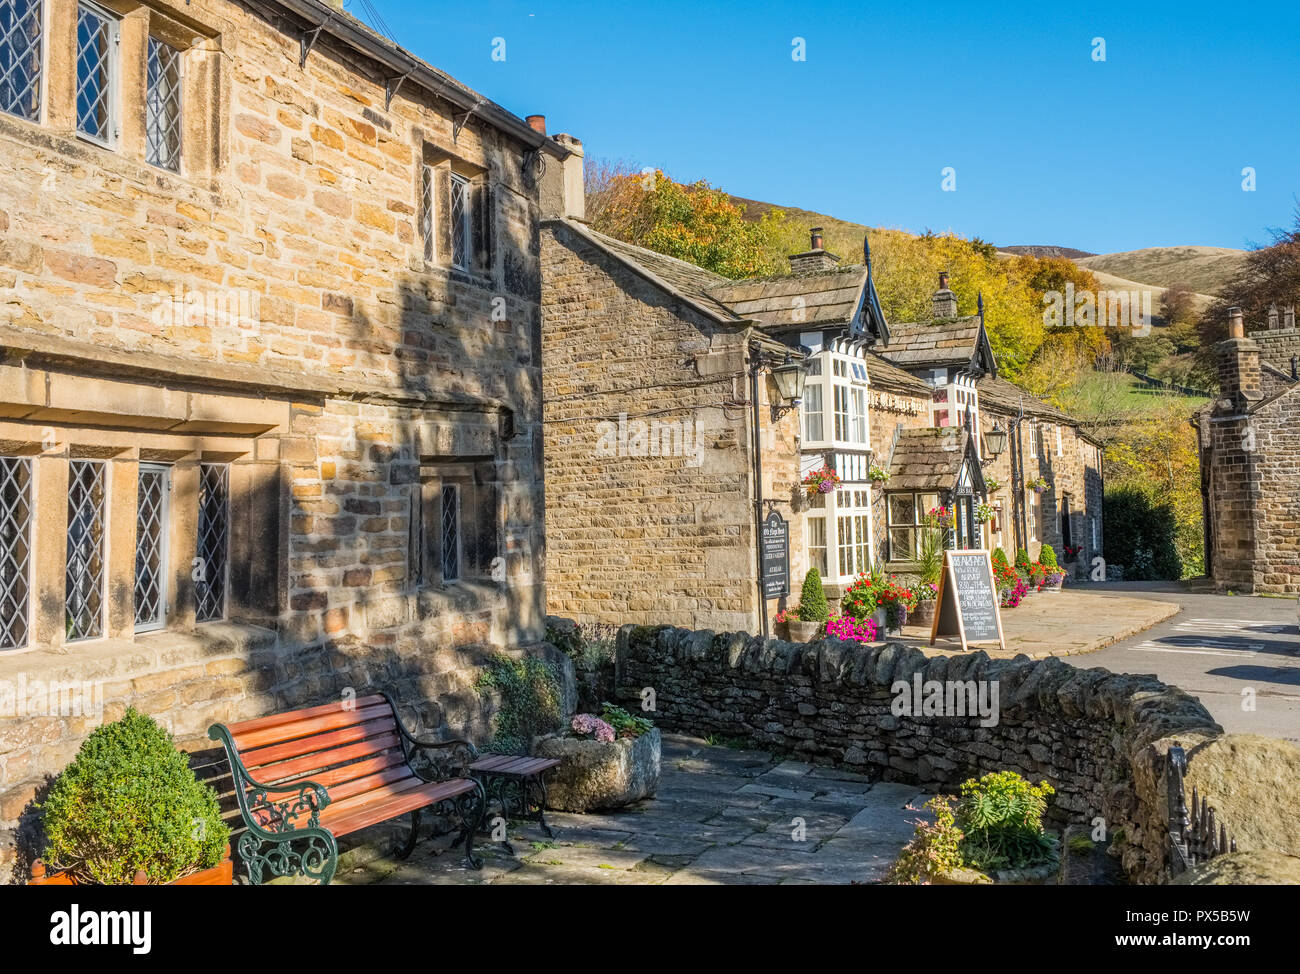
{"x": 785, "y": 615}
{"x": 878, "y": 475}
{"x": 991, "y": 485}
{"x": 589, "y": 725}
{"x": 847, "y": 627}
{"x": 821, "y": 481}
{"x": 624, "y": 723}
{"x": 924, "y": 592}
{"x": 1038, "y": 484}
{"x": 1072, "y": 551}
{"x": 985, "y": 513}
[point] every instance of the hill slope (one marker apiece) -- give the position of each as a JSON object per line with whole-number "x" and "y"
{"x": 1204, "y": 270}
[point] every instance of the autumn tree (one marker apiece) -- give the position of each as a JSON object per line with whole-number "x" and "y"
{"x": 695, "y": 222}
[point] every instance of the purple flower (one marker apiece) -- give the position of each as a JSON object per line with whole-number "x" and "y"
{"x": 591, "y": 724}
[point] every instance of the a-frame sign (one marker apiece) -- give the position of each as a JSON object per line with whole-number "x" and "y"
{"x": 967, "y": 601}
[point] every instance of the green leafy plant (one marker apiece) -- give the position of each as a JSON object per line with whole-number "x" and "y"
{"x": 1023, "y": 563}
{"x": 530, "y": 700}
{"x": 812, "y": 599}
{"x": 624, "y": 723}
{"x": 1001, "y": 819}
{"x": 935, "y": 847}
{"x": 127, "y": 802}
{"x": 1047, "y": 556}
{"x": 1000, "y": 558}
{"x": 929, "y": 561}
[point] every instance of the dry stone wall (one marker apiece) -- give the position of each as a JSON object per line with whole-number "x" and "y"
{"x": 1097, "y": 737}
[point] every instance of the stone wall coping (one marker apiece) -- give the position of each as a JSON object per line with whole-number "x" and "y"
{"x": 1146, "y": 709}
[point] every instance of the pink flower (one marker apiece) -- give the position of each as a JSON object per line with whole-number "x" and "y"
{"x": 591, "y": 724}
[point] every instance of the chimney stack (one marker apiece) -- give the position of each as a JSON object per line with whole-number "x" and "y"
{"x": 815, "y": 258}
{"x": 945, "y": 300}
{"x": 1239, "y": 375}
{"x": 1288, "y": 317}
{"x": 561, "y": 191}
{"x": 1272, "y": 317}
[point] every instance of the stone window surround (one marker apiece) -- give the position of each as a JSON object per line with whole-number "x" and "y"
{"x": 200, "y": 51}
{"x": 443, "y": 165}
{"x": 472, "y": 492}
{"x": 42, "y": 416}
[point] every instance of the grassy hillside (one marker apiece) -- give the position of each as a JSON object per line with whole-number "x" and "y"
{"x": 1204, "y": 270}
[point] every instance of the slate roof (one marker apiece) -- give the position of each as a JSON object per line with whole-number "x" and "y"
{"x": 929, "y": 344}
{"x": 829, "y": 297}
{"x": 923, "y": 459}
{"x": 882, "y": 375}
{"x": 1007, "y": 397}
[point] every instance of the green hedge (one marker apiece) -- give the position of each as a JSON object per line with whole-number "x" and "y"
{"x": 1139, "y": 534}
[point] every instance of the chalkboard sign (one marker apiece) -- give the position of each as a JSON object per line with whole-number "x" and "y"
{"x": 968, "y": 603}
{"x": 775, "y": 550}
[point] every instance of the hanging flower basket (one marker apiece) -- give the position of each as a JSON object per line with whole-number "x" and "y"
{"x": 1038, "y": 484}
{"x": 878, "y": 475}
{"x": 822, "y": 481}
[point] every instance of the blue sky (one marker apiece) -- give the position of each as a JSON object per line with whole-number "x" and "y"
{"x": 1049, "y": 146}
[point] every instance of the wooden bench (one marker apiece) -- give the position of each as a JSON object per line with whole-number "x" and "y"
{"x": 305, "y": 777}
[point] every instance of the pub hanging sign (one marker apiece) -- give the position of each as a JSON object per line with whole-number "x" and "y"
{"x": 774, "y": 549}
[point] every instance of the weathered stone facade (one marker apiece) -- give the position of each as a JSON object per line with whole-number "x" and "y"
{"x": 293, "y": 309}
{"x": 1099, "y": 738}
{"x": 649, "y": 442}
{"x": 1250, "y": 463}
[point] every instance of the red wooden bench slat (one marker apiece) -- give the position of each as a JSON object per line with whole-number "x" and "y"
{"x": 367, "y": 761}
{"x": 490, "y": 762}
{"x": 429, "y": 793}
{"x": 291, "y": 716}
{"x": 273, "y": 753}
{"x": 371, "y": 787}
{"x": 312, "y": 725}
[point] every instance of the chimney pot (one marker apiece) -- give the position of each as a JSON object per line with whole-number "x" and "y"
{"x": 817, "y": 242}
{"x": 1236, "y": 326}
{"x": 537, "y": 123}
{"x": 943, "y": 280}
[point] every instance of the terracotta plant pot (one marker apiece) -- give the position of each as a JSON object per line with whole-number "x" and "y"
{"x": 803, "y": 632}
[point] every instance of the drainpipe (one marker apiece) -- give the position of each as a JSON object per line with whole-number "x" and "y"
{"x": 755, "y": 370}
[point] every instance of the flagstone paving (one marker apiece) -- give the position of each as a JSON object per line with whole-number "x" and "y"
{"x": 1062, "y": 623}
{"x": 722, "y": 816}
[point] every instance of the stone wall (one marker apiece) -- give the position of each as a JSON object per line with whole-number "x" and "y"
{"x": 1097, "y": 737}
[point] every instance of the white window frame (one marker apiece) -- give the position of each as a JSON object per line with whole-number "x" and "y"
{"x": 1032, "y": 512}
{"x": 1060, "y": 445}
{"x": 811, "y": 391}
{"x": 114, "y": 63}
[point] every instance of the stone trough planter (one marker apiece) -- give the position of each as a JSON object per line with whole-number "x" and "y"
{"x": 803, "y": 632}
{"x": 597, "y": 775}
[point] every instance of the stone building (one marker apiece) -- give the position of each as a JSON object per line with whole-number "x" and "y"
{"x": 638, "y": 346}
{"x": 1250, "y": 459}
{"x": 270, "y": 415}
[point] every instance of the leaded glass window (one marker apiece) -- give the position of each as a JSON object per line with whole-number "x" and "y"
{"x": 151, "y": 547}
{"x": 21, "y": 24}
{"x": 84, "y": 584}
{"x": 163, "y": 106}
{"x": 460, "y": 214}
{"x": 450, "y": 532}
{"x": 15, "y": 550}
{"x": 426, "y": 210}
{"x": 97, "y": 37}
{"x": 211, "y": 563}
